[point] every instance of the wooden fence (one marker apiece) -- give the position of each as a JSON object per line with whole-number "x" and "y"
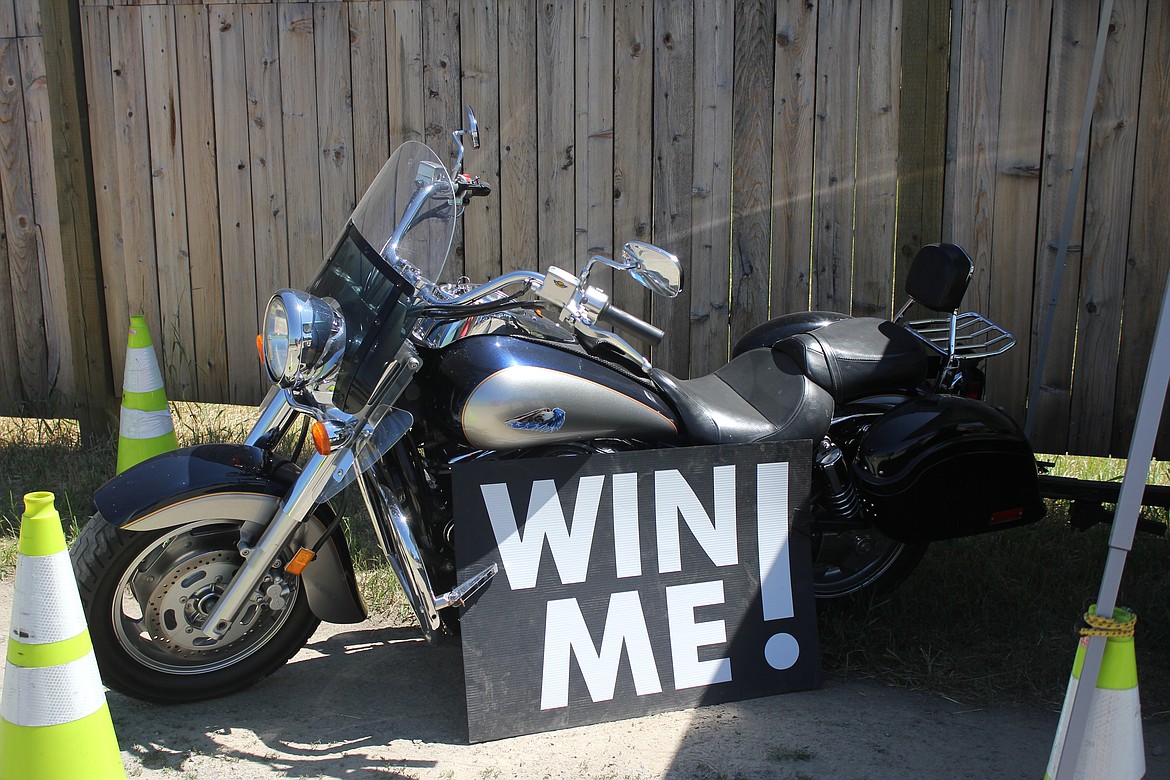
{"x": 794, "y": 154}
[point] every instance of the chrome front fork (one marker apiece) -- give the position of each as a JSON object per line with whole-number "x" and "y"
{"x": 265, "y": 552}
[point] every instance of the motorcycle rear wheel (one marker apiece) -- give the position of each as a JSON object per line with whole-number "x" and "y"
{"x": 847, "y": 563}
{"x": 146, "y": 594}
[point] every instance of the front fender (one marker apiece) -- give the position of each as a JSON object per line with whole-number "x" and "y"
{"x": 132, "y": 499}
{"x": 232, "y": 482}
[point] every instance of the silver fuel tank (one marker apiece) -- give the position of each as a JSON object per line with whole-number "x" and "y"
{"x": 498, "y": 392}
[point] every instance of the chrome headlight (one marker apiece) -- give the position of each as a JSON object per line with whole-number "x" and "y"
{"x": 304, "y": 338}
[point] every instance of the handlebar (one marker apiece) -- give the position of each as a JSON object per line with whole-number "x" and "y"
{"x": 622, "y": 319}
{"x": 467, "y": 187}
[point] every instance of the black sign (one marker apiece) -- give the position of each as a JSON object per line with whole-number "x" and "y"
{"x": 633, "y": 583}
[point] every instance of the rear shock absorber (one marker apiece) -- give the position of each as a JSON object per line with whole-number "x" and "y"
{"x": 839, "y": 493}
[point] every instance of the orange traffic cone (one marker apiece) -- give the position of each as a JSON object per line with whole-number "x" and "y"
{"x": 54, "y": 720}
{"x": 146, "y": 428}
{"x": 1113, "y": 745}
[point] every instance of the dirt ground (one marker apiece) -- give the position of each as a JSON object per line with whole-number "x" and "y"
{"x": 375, "y": 701}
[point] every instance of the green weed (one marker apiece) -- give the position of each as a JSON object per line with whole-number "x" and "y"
{"x": 790, "y": 754}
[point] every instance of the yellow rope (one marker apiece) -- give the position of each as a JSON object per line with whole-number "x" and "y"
{"x": 1097, "y": 625}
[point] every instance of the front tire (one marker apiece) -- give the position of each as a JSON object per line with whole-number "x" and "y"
{"x": 147, "y": 593}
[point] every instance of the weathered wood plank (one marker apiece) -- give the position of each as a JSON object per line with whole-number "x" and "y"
{"x": 877, "y": 159}
{"x": 175, "y": 339}
{"x": 556, "y": 154}
{"x": 89, "y": 398}
{"x": 25, "y": 249}
{"x": 266, "y": 145}
{"x": 367, "y": 54}
{"x": 201, "y": 193}
{"x": 298, "y": 93}
{"x": 839, "y": 26}
{"x": 443, "y": 106}
{"x": 480, "y": 87}
{"x": 751, "y": 248}
{"x": 7, "y": 19}
{"x": 792, "y": 157}
{"x": 516, "y": 185}
{"x": 59, "y": 354}
{"x": 1070, "y": 60}
{"x": 28, "y": 18}
{"x": 334, "y": 118}
{"x": 1017, "y": 196}
{"x": 633, "y": 171}
{"x": 95, "y": 29}
{"x": 922, "y": 129}
{"x": 971, "y": 171}
{"x": 134, "y": 172}
{"x": 593, "y": 136}
{"x": 1149, "y": 235}
{"x": 711, "y": 182}
{"x": 404, "y": 71}
{"x": 11, "y": 397}
{"x": 230, "y": 98}
{"x": 674, "y": 102}
{"x": 1108, "y": 197}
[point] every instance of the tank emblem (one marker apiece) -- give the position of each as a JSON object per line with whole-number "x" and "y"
{"x": 547, "y": 420}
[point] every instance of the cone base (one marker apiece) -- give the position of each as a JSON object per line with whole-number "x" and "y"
{"x": 86, "y": 747}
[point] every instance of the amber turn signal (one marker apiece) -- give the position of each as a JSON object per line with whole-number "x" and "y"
{"x": 321, "y": 439}
{"x": 260, "y": 347}
{"x": 299, "y": 561}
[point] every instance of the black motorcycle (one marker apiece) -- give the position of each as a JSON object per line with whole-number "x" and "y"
{"x": 207, "y": 568}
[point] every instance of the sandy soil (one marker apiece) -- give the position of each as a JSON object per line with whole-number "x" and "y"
{"x": 375, "y": 701}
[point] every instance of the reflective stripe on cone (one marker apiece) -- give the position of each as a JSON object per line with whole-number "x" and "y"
{"x": 35, "y": 619}
{"x": 52, "y": 695}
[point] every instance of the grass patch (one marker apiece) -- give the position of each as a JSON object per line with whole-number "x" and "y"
{"x": 985, "y": 619}
{"x": 791, "y": 754}
{"x": 991, "y": 618}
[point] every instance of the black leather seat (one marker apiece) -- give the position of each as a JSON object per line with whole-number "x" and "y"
{"x": 760, "y": 395}
{"x": 858, "y": 357}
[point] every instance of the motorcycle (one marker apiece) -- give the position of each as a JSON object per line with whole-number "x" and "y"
{"x": 207, "y": 568}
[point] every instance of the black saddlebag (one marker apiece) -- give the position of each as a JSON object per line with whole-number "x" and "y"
{"x": 944, "y": 466}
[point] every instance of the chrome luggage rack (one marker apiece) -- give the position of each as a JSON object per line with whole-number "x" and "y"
{"x": 968, "y": 336}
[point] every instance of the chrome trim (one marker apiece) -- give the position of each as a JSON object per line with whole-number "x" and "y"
{"x": 406, "y": 559}
{"x": 457, "y": 596}
{"x": 316, "y": 338}
{"x": 963, "y": 336}
{"x": 401, "y": 550}
{"x": 275, "y": 412}
{"x": 530, "y": 279}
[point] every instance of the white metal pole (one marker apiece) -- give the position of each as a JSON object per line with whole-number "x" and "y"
{"x": 1125, "y": 517}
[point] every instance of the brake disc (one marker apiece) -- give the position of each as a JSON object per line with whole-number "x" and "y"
{"x": 179, "y": 605}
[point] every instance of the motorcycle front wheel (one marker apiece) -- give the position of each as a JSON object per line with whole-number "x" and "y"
{"x": 146, "y": 595}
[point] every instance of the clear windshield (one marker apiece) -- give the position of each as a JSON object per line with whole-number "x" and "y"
{"x": 408, "y": 213}
{"x": 396, "y": 242}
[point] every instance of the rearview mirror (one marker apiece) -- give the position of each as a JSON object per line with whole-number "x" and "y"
{"x": 473, "y": 132}
{"x": 654, "y": 268}
{"x": 472, "y": 128}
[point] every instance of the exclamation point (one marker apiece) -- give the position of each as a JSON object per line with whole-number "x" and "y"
{"x": 781, "y": 650}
